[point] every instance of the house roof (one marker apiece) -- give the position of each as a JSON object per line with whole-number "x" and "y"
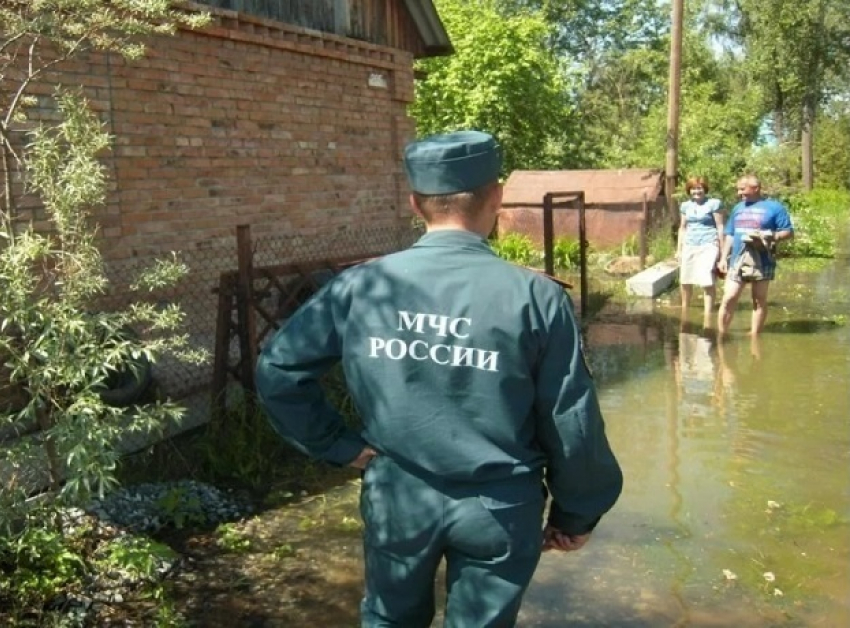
{"x": 330, "y": 17}
{"x": 430, "y": 27}
{"x": 526, "y": 188}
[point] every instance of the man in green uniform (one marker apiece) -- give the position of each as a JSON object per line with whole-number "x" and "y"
{"x": 469, "y": 376}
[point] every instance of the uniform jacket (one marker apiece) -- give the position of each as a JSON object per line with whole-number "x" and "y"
{"x": 464, "y": 368}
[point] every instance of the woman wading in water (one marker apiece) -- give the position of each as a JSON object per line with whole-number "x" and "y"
{"x": 700, "y": 237}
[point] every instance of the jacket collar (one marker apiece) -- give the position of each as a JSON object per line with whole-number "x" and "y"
{"x": 454, "y": 238}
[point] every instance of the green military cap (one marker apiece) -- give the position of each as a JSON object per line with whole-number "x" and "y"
{"x": 452, "y": 163}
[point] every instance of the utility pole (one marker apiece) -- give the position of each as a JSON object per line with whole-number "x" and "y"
{"x": 673, "y": 106}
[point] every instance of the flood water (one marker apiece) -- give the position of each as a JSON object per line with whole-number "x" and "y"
{"x": 736, "y": 506}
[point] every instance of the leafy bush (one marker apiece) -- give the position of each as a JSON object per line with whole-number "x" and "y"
{"x": 58, "y": 349}
{"x": 41, "y": 563}
{"x": 517, "y": 248}
{"x": 58, "y": 352}
{"x": 136, "y": 557}
{"x": 242, "y": 447}
{"x": 630, "y": 247}
{"x": 231, "y": 538}
{"x": 179, "y": 509}
{"x": 38, "y": 563}
{"x": 566, "y": 253}
{"x": 816, "y": 216}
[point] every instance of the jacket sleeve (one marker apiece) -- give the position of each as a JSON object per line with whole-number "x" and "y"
{"x": 582, "y": 474}
{"x": 288, "y": 387}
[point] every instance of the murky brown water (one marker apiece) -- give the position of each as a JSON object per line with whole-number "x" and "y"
{"x": 736, "y": 508}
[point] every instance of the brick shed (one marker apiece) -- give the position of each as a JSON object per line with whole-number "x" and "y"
{"x": 614, "y": 203}
{"x": 289, "y": 116}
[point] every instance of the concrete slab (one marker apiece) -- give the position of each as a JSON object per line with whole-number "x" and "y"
{"x": 654, "y": 280}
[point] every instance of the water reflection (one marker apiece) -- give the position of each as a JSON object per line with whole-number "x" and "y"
{"x": 698, "y": 375}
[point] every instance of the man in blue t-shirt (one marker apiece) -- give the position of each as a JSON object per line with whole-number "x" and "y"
{"x": 751, "y": 234}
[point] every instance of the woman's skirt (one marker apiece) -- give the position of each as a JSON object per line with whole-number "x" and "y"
{"x": 698, "y": 264}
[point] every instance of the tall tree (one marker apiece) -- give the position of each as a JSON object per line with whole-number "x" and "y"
{"x": 613, "y": 107}
{"x": 503, "y": 79}
{"x": 832, "y": 136}
{"x": 588, "y": 32}
{"x": 616, "y": 54}
{"x": 792, "y": 49}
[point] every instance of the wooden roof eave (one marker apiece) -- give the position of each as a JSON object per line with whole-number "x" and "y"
{"x": 434, "y": 36}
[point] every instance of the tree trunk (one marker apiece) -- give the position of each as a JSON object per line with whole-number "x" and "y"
{"x": 779, "y": 128}
{"x": 779, "y": 117}
{"x": 54, "y": 466}
{"x": 807, "y": 142}
{"x": 811, "y": 96}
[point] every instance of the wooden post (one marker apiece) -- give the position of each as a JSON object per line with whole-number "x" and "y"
{"x": 223, "y": 330}
{"x": 673, "y": 107}
{"x": 548, "y": 236}
{"x": 644, "y": 235}
{"x": 582, "y": 252}
{"x": 245, "y": 308}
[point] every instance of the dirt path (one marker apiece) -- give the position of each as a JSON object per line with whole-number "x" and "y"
{"x": 273, "y": 570}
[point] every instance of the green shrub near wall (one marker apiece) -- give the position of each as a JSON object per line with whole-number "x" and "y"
{"x": 519, "y": 249}
{"x": 566, "y": 253}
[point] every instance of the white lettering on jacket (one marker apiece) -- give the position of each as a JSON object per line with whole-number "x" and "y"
{"x": 443, "y": 325}
{"x": 439, "y": 352}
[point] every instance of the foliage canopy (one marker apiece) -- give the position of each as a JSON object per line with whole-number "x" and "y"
{"x": 503, "y": 79}
{"x": 579, "y": 84}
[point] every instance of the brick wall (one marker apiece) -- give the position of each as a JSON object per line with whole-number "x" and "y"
{"x": 295, "y": 132}
{"x": 249, "y": 121}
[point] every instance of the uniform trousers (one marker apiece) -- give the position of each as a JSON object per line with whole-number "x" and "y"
{"x": 490, "y": 535}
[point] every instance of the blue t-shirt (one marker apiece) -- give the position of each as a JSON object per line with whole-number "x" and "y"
{"x": 765, "y": 213}
{"x": 699, "y": 218}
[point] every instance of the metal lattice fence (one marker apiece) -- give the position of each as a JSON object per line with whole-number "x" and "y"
{"x": 198, "y": 293}
{"x": 349, "y": 243}
{"x": 195, "y": 293}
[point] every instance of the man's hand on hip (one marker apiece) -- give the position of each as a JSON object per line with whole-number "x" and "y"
{"x": 363, "y": 459}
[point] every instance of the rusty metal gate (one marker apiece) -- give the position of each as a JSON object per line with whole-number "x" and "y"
{"x": 252, "y": 303}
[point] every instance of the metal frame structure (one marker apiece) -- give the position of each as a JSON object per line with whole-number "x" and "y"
{"x": 555, "y": 200}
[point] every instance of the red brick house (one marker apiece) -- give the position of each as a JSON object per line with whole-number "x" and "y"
{"x": 288, "y": 116}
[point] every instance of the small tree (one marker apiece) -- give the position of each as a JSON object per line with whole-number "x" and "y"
{"x": 56, "y": 348}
